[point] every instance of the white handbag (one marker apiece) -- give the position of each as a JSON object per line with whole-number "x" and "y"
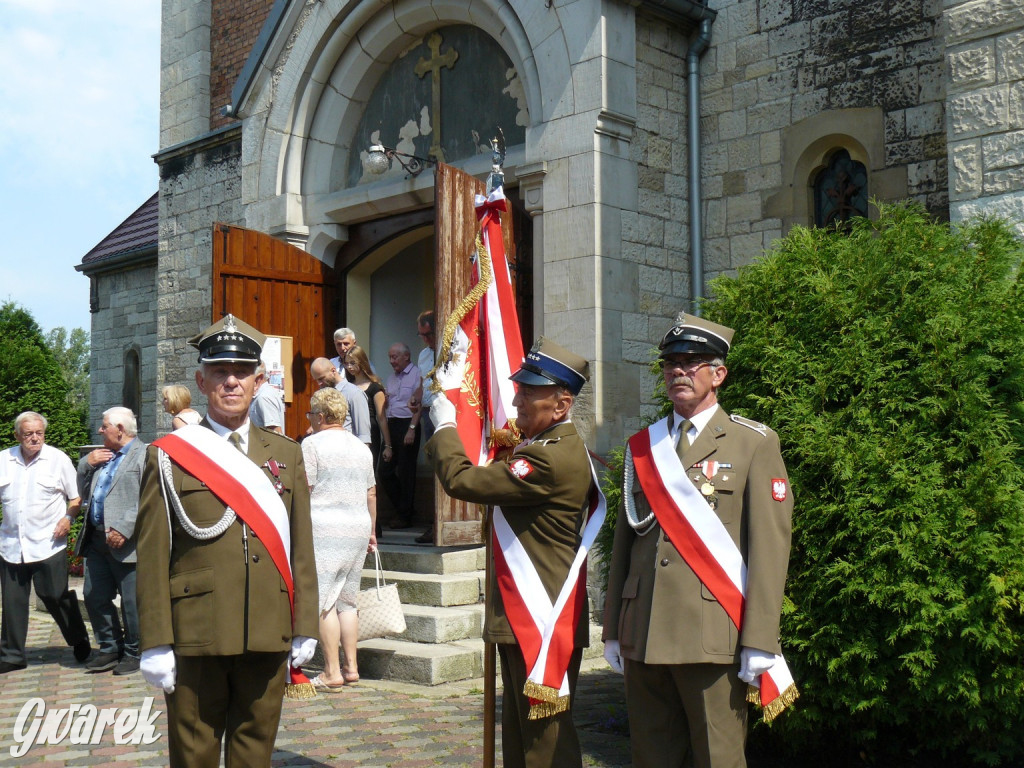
{"x": 379, "y": 608}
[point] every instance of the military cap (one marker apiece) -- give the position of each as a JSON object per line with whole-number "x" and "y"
{"x": 691, "y": 335}
{"x": 229, "y": 340}
{"x": 547, "y": 363}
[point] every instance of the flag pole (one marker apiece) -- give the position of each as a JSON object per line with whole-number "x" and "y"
{"x": 497, "y": 178}
{"x": 490, "y": 670}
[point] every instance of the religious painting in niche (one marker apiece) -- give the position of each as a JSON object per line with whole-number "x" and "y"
{"x": 444, "y": 97}
{"x": 840, "y": 191}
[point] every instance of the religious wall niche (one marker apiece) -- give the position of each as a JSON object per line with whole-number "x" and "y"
{"x": 443, "y": 98}
{"x": 840, "y": 191}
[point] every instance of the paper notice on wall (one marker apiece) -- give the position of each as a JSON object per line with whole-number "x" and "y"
{"x": 271, "y": 357}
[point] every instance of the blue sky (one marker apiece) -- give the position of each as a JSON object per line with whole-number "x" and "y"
{"x": 79, "y": 124}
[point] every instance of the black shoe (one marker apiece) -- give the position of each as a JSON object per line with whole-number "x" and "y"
{"x": 6, "y": 666}
{"x": 399, "y": 523}
{"x": 82, "y": 650}
{"x": 427, "y": 537}
{"x": 128, "y": 665}
{"x": 102, "y": 662}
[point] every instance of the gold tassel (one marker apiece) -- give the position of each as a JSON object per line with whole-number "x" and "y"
{"x": 542, "y": 709}
{"x": 753, "y": 694}
{"x": 300, "y": 691}
{"x": 777, "y": 705}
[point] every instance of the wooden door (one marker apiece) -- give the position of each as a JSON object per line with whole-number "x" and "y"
{"x": 455, "y": 231}
{"x": 282, "y": 291}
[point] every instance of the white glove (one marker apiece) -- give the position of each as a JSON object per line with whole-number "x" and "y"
{"x": 754, "y": 663}
{"x": 612, "y": 655}
{"x": 442, "y": 412}
{"x": 303, "y": 649}
{"x": 159, "y": 668}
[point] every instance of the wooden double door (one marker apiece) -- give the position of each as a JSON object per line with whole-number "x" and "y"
{"x": 284, "y": 291}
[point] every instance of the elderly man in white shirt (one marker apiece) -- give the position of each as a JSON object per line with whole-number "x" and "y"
{"x": 39, "y": 493}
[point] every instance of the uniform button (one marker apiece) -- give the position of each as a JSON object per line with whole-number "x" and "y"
{"x": 185, "y": 590}
{"x": 255, "y": 558}
{"x": 664, "y": 561}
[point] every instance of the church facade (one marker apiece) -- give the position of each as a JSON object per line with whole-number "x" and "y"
{"x": 651, "y": 145}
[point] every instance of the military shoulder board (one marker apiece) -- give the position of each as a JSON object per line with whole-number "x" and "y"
{"x": 754, "y": 425}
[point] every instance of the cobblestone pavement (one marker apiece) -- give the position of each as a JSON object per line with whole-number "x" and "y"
{"x": 372, "y": 724}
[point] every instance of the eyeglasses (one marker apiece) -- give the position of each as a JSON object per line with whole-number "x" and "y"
{"x": 686, "y": 366}
{"x": 312, "y": 413}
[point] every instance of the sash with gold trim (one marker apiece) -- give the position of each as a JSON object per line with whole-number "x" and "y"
{"x": 545, "y": 632}
{"x": 706, "y": 546}
{"x": 241, "y": 485}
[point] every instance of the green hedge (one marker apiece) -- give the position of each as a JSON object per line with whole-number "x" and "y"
{"x": 890, "y": 359}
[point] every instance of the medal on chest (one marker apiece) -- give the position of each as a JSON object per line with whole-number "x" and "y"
{"x": 275, "y": 470}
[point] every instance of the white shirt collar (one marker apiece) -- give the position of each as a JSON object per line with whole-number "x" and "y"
{"x": 698, "y": 420}
{"x": 243, "y": 432}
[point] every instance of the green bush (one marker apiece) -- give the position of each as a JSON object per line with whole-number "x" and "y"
{"x": 890, "y": 359}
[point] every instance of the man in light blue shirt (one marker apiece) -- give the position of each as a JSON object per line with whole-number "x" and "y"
{"x": 358, "y": 420}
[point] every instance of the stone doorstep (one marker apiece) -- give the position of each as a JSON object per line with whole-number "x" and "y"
{"x": 419, "y": 558}
{"x": 435, "y": 664}
{"x": 431, "y": 588}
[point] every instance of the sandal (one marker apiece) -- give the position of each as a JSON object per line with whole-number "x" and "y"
{"x": 324, "y": 687}
{"x": 350, "y": 677}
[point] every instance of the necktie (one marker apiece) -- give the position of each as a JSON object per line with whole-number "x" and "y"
{"x": 236, "y": 440}
{"x": 684, "y": 438}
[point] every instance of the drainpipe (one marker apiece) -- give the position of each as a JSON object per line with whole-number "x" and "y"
{"x": 698, "y": 44}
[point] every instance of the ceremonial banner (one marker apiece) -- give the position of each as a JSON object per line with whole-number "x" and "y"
{"x": 481, "y": 347}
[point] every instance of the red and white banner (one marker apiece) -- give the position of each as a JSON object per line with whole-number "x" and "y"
{"x": 545, "y": 631}
{"x": 486, "y": 347}
{"x": 704, "y": 543}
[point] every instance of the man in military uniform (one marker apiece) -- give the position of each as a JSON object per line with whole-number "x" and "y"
{"x": 542, "y": 490}
{"x": 227, "y": 589}
{"x": 698, "y": 565}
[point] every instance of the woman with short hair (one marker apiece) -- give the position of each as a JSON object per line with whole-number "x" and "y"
{"x": 343, "y": 501}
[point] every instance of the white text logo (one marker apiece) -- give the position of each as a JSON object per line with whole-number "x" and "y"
{"x": 82, "y": 724}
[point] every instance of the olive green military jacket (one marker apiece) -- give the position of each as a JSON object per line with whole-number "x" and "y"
{"x": 656, "y": 607}
{"x": 545, "y": 502}
{"x": 223, "y": 596}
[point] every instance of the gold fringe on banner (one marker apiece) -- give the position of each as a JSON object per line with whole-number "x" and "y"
{"x": 777, "y": 705}
{"x": 468, "y": 303}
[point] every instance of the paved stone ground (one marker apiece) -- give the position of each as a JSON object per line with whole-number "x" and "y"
{"x": 373, "y": 724}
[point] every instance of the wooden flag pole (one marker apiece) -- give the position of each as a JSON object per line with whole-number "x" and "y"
{"x": 490, "y": 694}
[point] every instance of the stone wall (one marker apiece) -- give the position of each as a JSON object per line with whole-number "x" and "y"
{"x": 198, "y": 187}
{"x": 126, "y": 319}
{"x": 657, "y": 236}
{"x": 986, "y": 108}
{"x": 184, "y": 70}
{"x": 775, "y": 63}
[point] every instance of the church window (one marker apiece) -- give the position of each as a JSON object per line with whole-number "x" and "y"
{"x": 445, "y": 98}
{"x": 840, "y": 191}
{"x": 131, "y": 388}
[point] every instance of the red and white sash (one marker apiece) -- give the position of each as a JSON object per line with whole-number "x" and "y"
{"x": 704, "y": 543}
{"x": 545, "y": 632}
{"x": 243, "y": 486}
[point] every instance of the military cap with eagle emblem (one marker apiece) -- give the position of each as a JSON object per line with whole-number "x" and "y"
{"x": 692, "y": 335}
{"x": 547, "y": 363}
{"x": 229, "y": 340}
